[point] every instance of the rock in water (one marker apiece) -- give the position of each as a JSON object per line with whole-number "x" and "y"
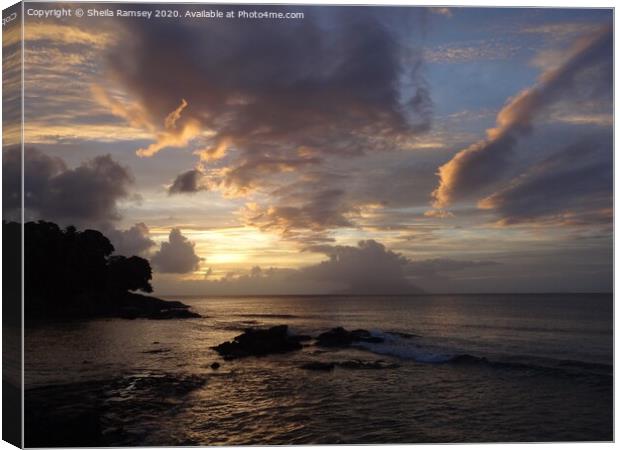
{"x": 339, "y": 337}
{"x": 357, "y": 364}
{"x": 259, "y": 342}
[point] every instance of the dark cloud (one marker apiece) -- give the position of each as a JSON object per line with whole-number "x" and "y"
{"x": 588, "y": 69}
{"x": 187, "y": 183}
{"x": 133, "y": 241}
{"x": 177, "y": 255}
{"x": 85, "y": 195}
{"x": 573, "y": 187}
{"x": 368, "y": 268}
{"x": 274, "y": 91}
{"x": 434, "y": 267}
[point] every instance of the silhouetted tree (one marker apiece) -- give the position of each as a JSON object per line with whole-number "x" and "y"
{"x": 129, "y": 274}
{"x": 71, "y": 271}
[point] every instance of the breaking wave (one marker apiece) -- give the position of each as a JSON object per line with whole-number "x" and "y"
{"x": 406, "y": 346}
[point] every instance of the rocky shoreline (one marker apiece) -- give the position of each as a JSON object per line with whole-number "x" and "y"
{"x": 136, "y": 306}
{"x": 121, "y": 306}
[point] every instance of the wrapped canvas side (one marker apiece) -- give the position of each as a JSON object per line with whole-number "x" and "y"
{"x": 12, "y": 220}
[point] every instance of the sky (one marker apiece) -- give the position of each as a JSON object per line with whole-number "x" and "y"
{"x": 357, "y": 150}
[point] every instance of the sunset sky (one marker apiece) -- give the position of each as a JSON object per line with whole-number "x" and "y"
{"x": 365, "y": 150}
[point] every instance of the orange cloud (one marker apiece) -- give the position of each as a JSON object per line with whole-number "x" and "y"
{"x": 173, "y": 134}
{"x": 174, "y": 116}
{"x": 67, "y": 34}
{"x": 172, "y": 138}
{"x": 216, "y": 152}
{"x": 483, "y": 161}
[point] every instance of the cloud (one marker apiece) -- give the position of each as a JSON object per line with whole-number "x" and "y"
{"x": 249, "y": 173}
{"x": 267, "y": 281}
{"x": 257, "y": 93}
{"x": 132, "y": 112}
{"x": 188, "y": 183}
{"x": 440, "y": 213}
{"x": 368, "y": 268}
{"x": 574, "y": 186}
{"x": 442, "y": 275}
{"x": 173, "y": 135}
{"x": 434, "y": 267}
{"x": 67, "y": 34}
{"x": 486, "y": 161}
{"x": 133, "y": 241}
{"x": 478, "y": 50}
{"x": 40, "y": 169}
{"x": 375, "y": 190}
{"x": 559, "y": 31}
{"x": 177, "y": 255}
{"x": 174, "y": 116}
{"x": 85, "y": 195}
{"x": 324, "y": 210}
{"x": 12, "y": 59}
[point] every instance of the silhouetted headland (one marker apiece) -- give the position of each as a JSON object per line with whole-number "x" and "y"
{"x": 73, "y": 274}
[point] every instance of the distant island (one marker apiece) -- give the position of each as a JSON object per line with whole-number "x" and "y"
{"x": 71, "y": 274}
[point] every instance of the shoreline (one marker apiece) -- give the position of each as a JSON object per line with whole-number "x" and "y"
{"x": 128, "y": 306}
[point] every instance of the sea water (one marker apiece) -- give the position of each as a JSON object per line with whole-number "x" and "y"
{"x": 471, "y": 368}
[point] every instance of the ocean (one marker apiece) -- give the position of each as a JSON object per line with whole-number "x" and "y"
{"x": 455, "y": 368}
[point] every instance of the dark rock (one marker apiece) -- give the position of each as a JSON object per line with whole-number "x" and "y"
{"x": 215, "y": 365}
{"x": 128, "y": 312}
{"x": 300, "y": 338}
{"x": 319, "y": 366}
{"x": 339, "y": 337}
{"x": 157, "y": 350}
{"x": 137, "y": 306}
{"x": 365, "y": 336}
{"x": 259, "y": 342}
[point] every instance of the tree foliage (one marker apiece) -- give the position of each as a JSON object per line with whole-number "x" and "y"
{"x": 67, "y": 268}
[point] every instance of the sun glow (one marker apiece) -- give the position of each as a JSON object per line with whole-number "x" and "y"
{"x": 237, "y": 249}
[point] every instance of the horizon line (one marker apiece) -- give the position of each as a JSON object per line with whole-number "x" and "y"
{"x": 384, "y": 295}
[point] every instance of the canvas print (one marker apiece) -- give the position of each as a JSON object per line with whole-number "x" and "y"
{"x": 297, "y": 224}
